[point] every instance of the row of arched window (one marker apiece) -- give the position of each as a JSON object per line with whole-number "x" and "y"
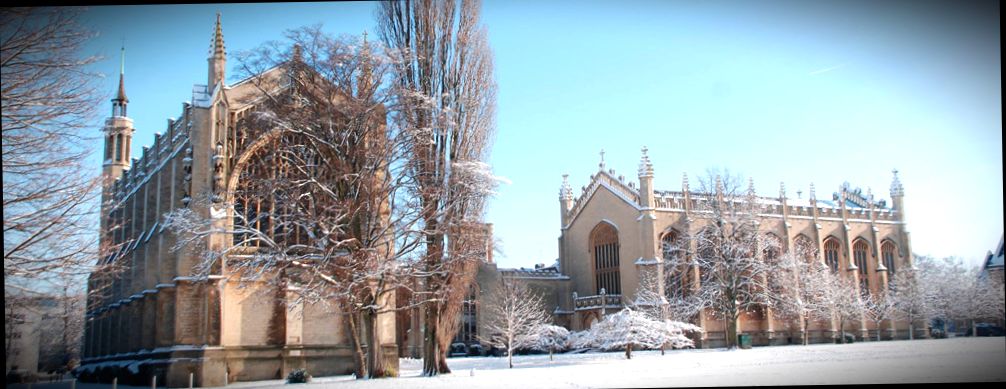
{"x": 604, "y": 244}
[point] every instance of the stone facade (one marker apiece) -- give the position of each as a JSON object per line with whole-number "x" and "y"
{"x": 626, "y": 225}
{"x": 156, "y": 315}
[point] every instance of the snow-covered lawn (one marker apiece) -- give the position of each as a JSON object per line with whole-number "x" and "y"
{"x": 943, "y": 360}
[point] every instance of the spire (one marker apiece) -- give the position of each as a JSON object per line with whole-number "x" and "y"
{"x": 813, "y": 196}
{"x": 751, "y": 188}
{"x": 217, "y": 57}
{"x": 684, "y": 182}
{"x": 600, "y": 166}
{"x": 645, "y": 166}
{"x": 782, "y": 190}
{"x": 896, "y": 189}
{"x": 719, "y": 184}
{"x": 364, "y": 82}
{"x": 120, "y": 100}
{"x": 217, "y": 46}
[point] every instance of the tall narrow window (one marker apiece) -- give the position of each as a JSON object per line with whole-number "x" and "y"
{"x": 604, "y": 247}
{"x": 804, "y": 247}
{"x": 831, "y": 250}
{"x": 887, "y": 250}
{"x": 118, "y": 148}
{"x": 860, "y": 251}
{"x": 674, "y": 259}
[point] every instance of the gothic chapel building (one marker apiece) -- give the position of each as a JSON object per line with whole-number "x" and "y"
{"x": 614, "y": 230}
{"x": 156, "y": 317}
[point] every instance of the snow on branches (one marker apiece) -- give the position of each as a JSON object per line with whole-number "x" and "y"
{"x": 515, "y": 318}
{"x": 630, "y": 328}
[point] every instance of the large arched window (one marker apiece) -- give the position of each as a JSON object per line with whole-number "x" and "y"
{"x": 831, "y": 251}
{"x": 772, "y": 247}
{"x": 804, "y": 247}
{"x": 604, "y": 250}
{"x": 887, "y": 250}
{"x": 860, "y": 251}
{"x": 672, "y": 246}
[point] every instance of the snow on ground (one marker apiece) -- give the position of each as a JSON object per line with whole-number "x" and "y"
{"x": 941, "y": 360}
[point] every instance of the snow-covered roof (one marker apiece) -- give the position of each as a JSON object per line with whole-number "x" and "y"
{"x": 542, "y": 273}
{"x": 995, "y": 259}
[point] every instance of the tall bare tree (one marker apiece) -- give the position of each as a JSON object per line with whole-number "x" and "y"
{"x": 878, "y": 307}
{"x": 449, "y": 97}
{"x": 958, "y": 292}
{"x": 728, "y": 253}
{"x": 323, "y": 209}
{"x": 515, "y": 316}
{"x": 796, "y": 288}
{"x": 49, "y": 193}
{"x": 841, "y": 299}
{"x": 911, "y": 298}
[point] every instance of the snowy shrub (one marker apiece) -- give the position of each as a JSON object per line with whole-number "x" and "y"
{"x": 626, "y": 327}
{"x": 579, "y": 340}
{"x": 298, "y": 376}
{"x": 550, "y": 338}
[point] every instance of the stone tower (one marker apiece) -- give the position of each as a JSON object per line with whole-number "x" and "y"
{"x": 118, "y": 132}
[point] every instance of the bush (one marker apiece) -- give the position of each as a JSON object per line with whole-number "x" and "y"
{"x": 298, "y": 376}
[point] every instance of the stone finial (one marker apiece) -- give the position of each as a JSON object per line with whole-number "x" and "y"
{"x": 813, "y": 195}
{"x": 869, "y": 195}
{"x": 751, "y": 187}
{"x": 719, "y": 184}
{"x": 645, "y": 166}
{"x": 896, "y": 189}
{"x": 565, "y": 191}
{"x": 600, "y": 166}
{"x": 782, "y": 190}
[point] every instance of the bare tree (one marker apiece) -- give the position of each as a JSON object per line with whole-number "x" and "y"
{"x": 49, "y": 194}
{"x": 878, "y": 307}
{"x": 676, "y": 300}
{"x": 515, "y": 316}
{"x": 843, "y": 301}
{"x": 796, "y": 290}
{"x": 449, "y": 97}
{"x": 911, "y": 297}
{"x": 958, "y": 292}
{"x": 733, "y": 276}
{"x": 324, "y": 209}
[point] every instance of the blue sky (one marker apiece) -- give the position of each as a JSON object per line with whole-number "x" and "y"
{"x": 793, "y": 91}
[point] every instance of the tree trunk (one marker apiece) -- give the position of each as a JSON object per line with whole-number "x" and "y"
{"x": 806, "y": 331}
{"x": 974, "y": 329}
{"x": 628, "y": 350}
{"x": 442, "y": 360}
{"x": 358, "y": 356}
{"x": 731, "y": 332}
{"x": 375, "y": 360}
{"x": 431, "y": 351}
{"x": 549, "y": 353}
{"x": 509, "y": 357}
{"x": 911, "y": 330}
